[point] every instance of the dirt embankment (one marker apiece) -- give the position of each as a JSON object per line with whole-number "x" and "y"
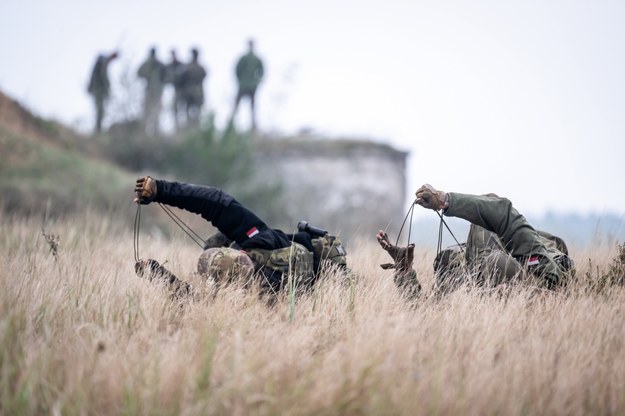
{"x": 17, "y": 120}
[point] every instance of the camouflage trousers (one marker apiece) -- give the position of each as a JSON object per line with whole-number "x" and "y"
{"x": 482, "y": 260}
{"x": 485, "y": 262}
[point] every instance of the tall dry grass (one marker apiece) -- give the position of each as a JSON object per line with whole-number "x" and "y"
{"x": 84, "y": 335}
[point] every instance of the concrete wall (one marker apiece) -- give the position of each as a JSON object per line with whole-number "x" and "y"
{"x": 347, "y": 186}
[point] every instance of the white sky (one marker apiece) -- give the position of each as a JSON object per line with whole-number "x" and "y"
{"x": 522, "y": 98}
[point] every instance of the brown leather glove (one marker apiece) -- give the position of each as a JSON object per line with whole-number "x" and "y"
{"x": 145, "y": 190}
{"x": 430, "y": 198}
{"x": 403, "y": 256}
{"x": 151, "y": 269}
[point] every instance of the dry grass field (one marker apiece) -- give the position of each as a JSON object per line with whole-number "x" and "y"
{"x": 82, "y": 334}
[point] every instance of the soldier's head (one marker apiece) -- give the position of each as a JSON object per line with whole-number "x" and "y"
{"x": 194, "y": 53}
{"x": 250, "y": 44}
{"x": 225, "y": 265}
{"x": 153, "y": 51}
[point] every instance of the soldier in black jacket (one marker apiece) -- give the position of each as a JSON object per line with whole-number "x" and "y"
{"x": 272, "y": 252}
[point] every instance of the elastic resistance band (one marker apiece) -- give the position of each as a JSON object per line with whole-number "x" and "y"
{"x": 137, "y": 226}
{"x": 440, "y": 235}
{"x": 184, "y": 227}
{"x": 409, "y": 213}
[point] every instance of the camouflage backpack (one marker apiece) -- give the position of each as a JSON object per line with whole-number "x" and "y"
{"x": 224, "y": 265}
{"x": 329, "y": 250}
{"x": 293, "y": 261}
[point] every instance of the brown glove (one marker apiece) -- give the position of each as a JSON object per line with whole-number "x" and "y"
{"x": 151, "y": 269}
{"x": 430, "y": 198}
{"x": 403, "y": 256}
{"x": 145, "y": 190}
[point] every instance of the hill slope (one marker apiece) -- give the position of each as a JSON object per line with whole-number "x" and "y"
{"x": 44, "y": 166}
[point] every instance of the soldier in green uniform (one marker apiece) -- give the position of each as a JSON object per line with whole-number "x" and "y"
{"x": 244, "y": 244}
{"x": 100, "y": 87}
{"x": 173, "y": 76}
{"x": 249, "y": 71}
{"x": 152, "y": 71}
{"x": 501, "y": 247}
{"x": 192, "y": 82}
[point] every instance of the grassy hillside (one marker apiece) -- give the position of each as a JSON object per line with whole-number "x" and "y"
{"x": 35, "y": 174}
{"x": 45, "y": 166}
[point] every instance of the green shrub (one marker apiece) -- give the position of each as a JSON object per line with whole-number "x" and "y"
{"x": 224, "y": 159}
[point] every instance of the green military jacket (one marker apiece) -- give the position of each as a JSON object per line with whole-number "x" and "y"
{"x": 153, "y": 72}
{"x": 249, "y": 72}
{"x": 517, "y": 236}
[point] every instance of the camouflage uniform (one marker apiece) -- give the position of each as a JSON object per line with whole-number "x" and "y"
{"x": 249, "y": 71}
{"x": 99, "y": 87}
{"x": 224, "y": 265}
{"x": 501, "y": 247}
{"x": 173, "y": 76}
{"x": 153, "y": 72}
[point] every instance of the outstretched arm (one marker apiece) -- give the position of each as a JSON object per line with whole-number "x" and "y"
{"x": 499, "y": 216}
{"x": 491, "y": 212}
{"x": 405, "y": 276}
{"x": 495, "y": 214}
{"x": 152, "y": 270}
{"x": 235, "y": 221}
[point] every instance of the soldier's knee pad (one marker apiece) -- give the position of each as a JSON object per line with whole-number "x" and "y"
{"x": 224, "y": 264}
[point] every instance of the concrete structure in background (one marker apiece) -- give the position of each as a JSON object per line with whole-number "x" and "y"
{"x": 348, "y": 186}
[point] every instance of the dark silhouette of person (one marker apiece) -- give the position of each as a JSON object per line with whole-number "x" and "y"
{"x": 100, "y": 87}
{"x": 174, "y": 76}
{"x": 193, "y": 89}
{"x": 249, "y": 71}
{"x": 152, "y": 71}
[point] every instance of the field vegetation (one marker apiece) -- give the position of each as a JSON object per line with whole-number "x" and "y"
{"x": 80, "y": 333}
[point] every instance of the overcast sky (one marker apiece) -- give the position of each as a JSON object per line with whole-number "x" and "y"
{"x": 522, "y": 98}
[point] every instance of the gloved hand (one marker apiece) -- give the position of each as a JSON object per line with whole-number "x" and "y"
{"x": 145, "y": 190}
{"x": 430, "y": 198}
{"x": 403, "y": 257}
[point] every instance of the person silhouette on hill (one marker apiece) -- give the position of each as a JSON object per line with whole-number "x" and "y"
{"x": 192, "y": 84}
{"x": 249, "y": 71}
{"x": 152, "y": 71}
{"x": 100, "y": 86}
